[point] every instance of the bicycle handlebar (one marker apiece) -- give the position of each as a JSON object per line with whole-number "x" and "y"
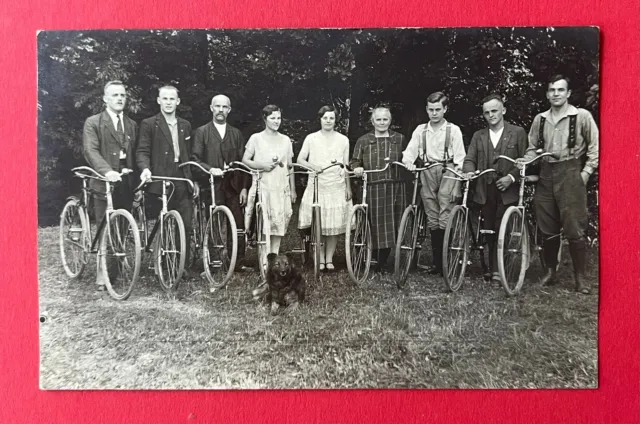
{"x": 429, "y": 166}
{"x": 520, "y": 160}
{"x": 371, "y": 171}
{"x": 76, "y": 171}
{"x": 462, "y": 177}
{"x": 310, "y": 170}
{"x": 153, "y": 179}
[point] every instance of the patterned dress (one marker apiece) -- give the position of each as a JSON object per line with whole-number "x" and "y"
{"x": 276, "y": 192}
{"x": 386, "y": 190}
{"x": 320, "y": 150}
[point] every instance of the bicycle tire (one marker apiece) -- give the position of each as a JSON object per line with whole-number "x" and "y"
{"x": 513, "y": 250}
{"x": 119, "y": 238}
{"x": 358, "y": 245}
{"x": 405, "y": 245}
{"x": 263, "y": 239}
{"x": 74, "y": 239}
{"x": 455, "y": 248}
{"x": 221, "y": 232}
{"x": 170, "y": 251}
{"x": 316, "y": 240}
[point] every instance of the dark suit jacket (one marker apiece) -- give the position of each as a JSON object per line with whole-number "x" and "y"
{"x": 101, "y": 146}
{"x": 155, "y": 148}
{"x": 213, "y": 152}
{"x": 481, "y": 154}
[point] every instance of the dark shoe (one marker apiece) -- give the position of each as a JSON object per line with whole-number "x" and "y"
{"x": 550, "y": 278}
{"x": 581, "y": 285}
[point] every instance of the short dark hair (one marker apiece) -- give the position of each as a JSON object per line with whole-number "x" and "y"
{"x": 493, "y": 96}
{"x": 328, "y": 108}
{"x": 558, "y": 77}
{"x": 438, "y": 96}
{"x": 268, "y": 110}
{"x": 169, "y": 87}
{"x": 112, "y": 83}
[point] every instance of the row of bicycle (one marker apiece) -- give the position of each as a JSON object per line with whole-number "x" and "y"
{"x": 122, "y": 237}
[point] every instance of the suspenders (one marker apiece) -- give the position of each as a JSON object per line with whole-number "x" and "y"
{"x": 447, "y": 142}
{"x": 572, "y": 132}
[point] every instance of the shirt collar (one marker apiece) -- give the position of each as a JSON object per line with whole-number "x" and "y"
{"x": 373, "y": 138}
{"x": 170, "y": 121}
{"x": 571, "y": 110}
{"x": 220, "y": 125}
{"x": 430, "y": 128}
{"x": 113, "y": 115}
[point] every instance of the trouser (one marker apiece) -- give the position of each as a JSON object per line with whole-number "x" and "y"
{"x": 492, "y": 212}
{"x": 121, "y": 196}
{"x": 560, "y": 203}
{"x": 437, "y": 196}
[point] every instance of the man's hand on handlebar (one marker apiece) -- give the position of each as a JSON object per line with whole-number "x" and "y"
{"x": 112, "y": 176}
{"x": 145, "y": 175}
{"x": 216, "y": 172}
{"x": 358, "y": 171}
{"x": 410, "y": 166}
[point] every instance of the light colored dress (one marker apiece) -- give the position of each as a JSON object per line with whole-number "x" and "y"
{"x": 276, "y": 193}
{"x": 320, "y": 150}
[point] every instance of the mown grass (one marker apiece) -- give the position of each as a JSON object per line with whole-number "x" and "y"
{"x": 374, "y": 336}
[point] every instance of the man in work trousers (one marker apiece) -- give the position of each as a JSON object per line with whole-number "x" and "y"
{"x": 108, "y": 140}
{"x": 215, "y": 145}
{"x": 164, "y": 143}
{"x": 560, "y": 200}
{"x": 437, "y": 141}
{"x": 494, "y": 193}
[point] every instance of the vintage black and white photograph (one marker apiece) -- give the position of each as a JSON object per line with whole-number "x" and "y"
{"x": 318, "y": 208}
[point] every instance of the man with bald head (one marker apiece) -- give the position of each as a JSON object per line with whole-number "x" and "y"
{"x": 215, "y": 145}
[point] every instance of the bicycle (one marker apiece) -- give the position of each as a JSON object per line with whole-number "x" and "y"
{"x": 513, "y": 237}
{"x": 262, "y": 224}
{"x": 170, "y": 248}
{"x": 412, "y": 231}
{"x": 358, "y": 246}
{"x": 460, "y": 237}
{"x": 218, "y": 235}
{"x": 117, "y": 240}
{"x": 313, "y": 241}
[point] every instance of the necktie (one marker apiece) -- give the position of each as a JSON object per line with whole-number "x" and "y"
{"x": 120, "y": 131}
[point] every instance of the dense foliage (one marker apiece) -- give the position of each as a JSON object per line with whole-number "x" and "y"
{"x": 301, "y": 70}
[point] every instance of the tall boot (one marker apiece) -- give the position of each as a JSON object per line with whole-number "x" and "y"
{"x": 578, "y": 250}
{"x": 550, "y": 249}
{"x": 381, "y": 256}
{"x": 437, "y": 238}
{"x": 434, "y": 252}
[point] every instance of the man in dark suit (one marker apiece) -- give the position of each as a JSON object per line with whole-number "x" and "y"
{"x": 164, "y": 143}
{"x": 215, "y": 145}
{"x": 109, "y": 140}
{"x": 494, "y": 193}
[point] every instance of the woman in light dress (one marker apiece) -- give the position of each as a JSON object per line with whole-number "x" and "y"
{"x": 334, "y": 191}
{"x": 272, "y": 153}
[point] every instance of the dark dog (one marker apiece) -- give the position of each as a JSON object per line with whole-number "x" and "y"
{"x": 286, "y": 286}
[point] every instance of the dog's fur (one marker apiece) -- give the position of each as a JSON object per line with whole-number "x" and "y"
{"x": 286, "y": 285}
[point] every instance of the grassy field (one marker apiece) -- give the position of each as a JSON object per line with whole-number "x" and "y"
{"x": 344, "y": 336}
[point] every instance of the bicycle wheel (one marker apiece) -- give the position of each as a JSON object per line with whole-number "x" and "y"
{"x": 120, "y": 241}
{"x": 220, "y": 247}
{"x": 405, "y": 245}
{"x": 513, "y": 250}
{"x": 196, "y": 238}
{"x": 423, "y": 254}
{"x": 358, "y": 244}
{"x": 455, "y": 248}
{"x": 316, "y": 241}
{"x": 74, "y": 239}
{"x": 170, "y": 251}
{"x": 263, "y": 239}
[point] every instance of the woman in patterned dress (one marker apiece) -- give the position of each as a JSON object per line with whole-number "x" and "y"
{"x": 334, "y": 191}
{"x": 386, "y": 190}
{"x": 278, "y": 189}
